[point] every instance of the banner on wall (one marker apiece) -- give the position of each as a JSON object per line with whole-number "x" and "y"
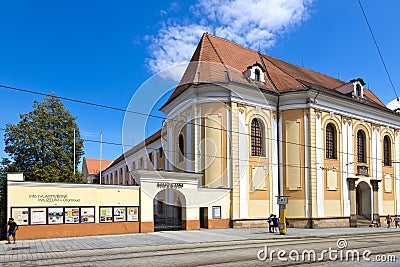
{"x": 38, "y": 215}
{"x": 20, "y": 215}
{"x": 119, "y": 214}
{"x": 55, "y": 215}
{"x": 133, "y": 214}
{"x": 106, "y": 214}
{"x": 87, "y": 215}
{"x": 72, "y": 215}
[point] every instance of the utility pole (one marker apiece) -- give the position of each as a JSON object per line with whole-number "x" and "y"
{"x": 74, "y": 151}
{"x": 101, "y": 148}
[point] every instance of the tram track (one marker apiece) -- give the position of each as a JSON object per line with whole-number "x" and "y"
{"x": 246, "y": 249}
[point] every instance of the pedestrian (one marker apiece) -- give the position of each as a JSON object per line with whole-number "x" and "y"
{"x": 388, "y": 220}
{"x": 12, "y": 229}
{"x": 275, "y": 222}
{"x": 270, "y": 222}
{"x": 396, "y": 221}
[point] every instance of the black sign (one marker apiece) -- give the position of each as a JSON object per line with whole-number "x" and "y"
{"x": 170, "y": 185}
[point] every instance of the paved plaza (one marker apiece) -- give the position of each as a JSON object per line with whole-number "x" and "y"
{"x": 26, "y": 252}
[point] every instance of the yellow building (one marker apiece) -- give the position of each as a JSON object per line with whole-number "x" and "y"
{"x": 262, "y": 127}
{"x": 243, "y": 128}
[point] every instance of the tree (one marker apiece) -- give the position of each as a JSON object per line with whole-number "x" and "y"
{"x": 3, "y": 201}
{"x": 41, "y": 144}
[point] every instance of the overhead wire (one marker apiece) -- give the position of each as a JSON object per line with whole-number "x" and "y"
{"x": 379, "y": 51}
{"x": 173, "y": 151}
{"x": 164, "y": 118}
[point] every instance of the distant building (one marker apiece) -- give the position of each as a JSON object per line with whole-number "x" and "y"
{"x": 91, "y": 169}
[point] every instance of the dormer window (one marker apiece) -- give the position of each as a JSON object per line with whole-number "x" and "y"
{"x": 255, "y": 73}
{"x": 358, "y": 90}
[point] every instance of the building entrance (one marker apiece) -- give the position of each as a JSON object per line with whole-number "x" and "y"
{"x": 168, "y": 210}
{"x": 363, "y": 200}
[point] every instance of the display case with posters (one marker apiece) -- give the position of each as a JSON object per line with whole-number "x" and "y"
{"x": 87, "y": 215}
{"x": 119, "y": 214}
{"x": 71, "y": 215}
{"x": 132, "y": 214}
{"x": 55, "y": 215}
{"x": 106, "y": 214}
{"x": 20, "y": 215}
{"x": 216, "y": 212}
{"x": 38, "y": 216}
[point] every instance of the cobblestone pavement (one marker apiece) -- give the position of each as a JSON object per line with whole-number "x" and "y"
{"x": 109, "y": 250}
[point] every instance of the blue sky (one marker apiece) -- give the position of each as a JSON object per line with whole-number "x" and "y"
{"x": 102, "y": 51}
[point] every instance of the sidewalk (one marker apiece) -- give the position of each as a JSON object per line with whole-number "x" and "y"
{"x": 171, "y": 238}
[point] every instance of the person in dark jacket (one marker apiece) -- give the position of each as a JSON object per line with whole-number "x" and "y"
{"x": 12, "y": 229}
{"x": 275, "y": 222}
{"x": 270, "y": 223}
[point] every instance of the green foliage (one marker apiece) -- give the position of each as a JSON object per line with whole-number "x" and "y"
{"x": 41, "y": 144}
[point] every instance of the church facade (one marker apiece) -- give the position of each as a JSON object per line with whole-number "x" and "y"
{"x": 246, "y": 127}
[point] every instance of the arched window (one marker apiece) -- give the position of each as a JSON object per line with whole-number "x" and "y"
{"x": 330, "y": 146}
{"x": 257, "y": 134}
{"x": 257, "y": 75}
{"x": 181, "y": 144}
{"x": 361, "y": 148}
{"x": 386, "y": 151}
{"x": 358, "y": 90}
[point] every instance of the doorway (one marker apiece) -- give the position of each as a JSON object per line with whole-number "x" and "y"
{"x": 363, "y": 200}
{"x": 168, "y": 210}
{"x": 203, "y": 217}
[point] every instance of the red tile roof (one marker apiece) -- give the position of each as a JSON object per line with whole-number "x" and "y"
{"x": 93, "y": 165}
{"x": 214, "y": 56}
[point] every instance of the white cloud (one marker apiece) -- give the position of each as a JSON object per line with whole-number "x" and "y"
{"x": 252, "y": 23}
{"x": 174, "y": 45}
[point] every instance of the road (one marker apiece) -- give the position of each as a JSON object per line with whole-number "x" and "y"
{"x": 305, "y": 251}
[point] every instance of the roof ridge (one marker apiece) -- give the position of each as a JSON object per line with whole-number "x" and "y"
{"x": 229, "y": 41}
{"x": 297, "y": 66}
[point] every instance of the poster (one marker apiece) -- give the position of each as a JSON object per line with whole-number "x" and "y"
{"x": 106, "y": 215}
{"x": 133, "y": 214}
{"x": 87, "y": 215}
{"x": 38, "y": 215}
{"x": 216, "y": 212}
{"x": 119, "y": 214}
{"x": 55, "y": 215}
{"x": 20, "y": 215}
{"x": 72, "y": 215}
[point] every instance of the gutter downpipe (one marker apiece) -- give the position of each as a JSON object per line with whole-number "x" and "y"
{"x": 278, "y": 141}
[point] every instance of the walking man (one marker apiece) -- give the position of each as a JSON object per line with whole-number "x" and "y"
{"x": 12, "y": 228}
{"x": 396, "y": 221}
{"x": 388, "y": 220}
{"x": 270, "y": 223}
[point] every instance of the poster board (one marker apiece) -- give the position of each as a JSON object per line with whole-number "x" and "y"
{"x": 216, "y": 212}
{"x": 38, "y": 216}
{"x": 55, "y": 215}
{"x": 20, "y": 215}
{"x": 72, "y": 215}
{"x": 119, "y": 214}
{"x": 87, "y": 215}
{"x": 106, "y": 214}
{"x": 132, "y": 214}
